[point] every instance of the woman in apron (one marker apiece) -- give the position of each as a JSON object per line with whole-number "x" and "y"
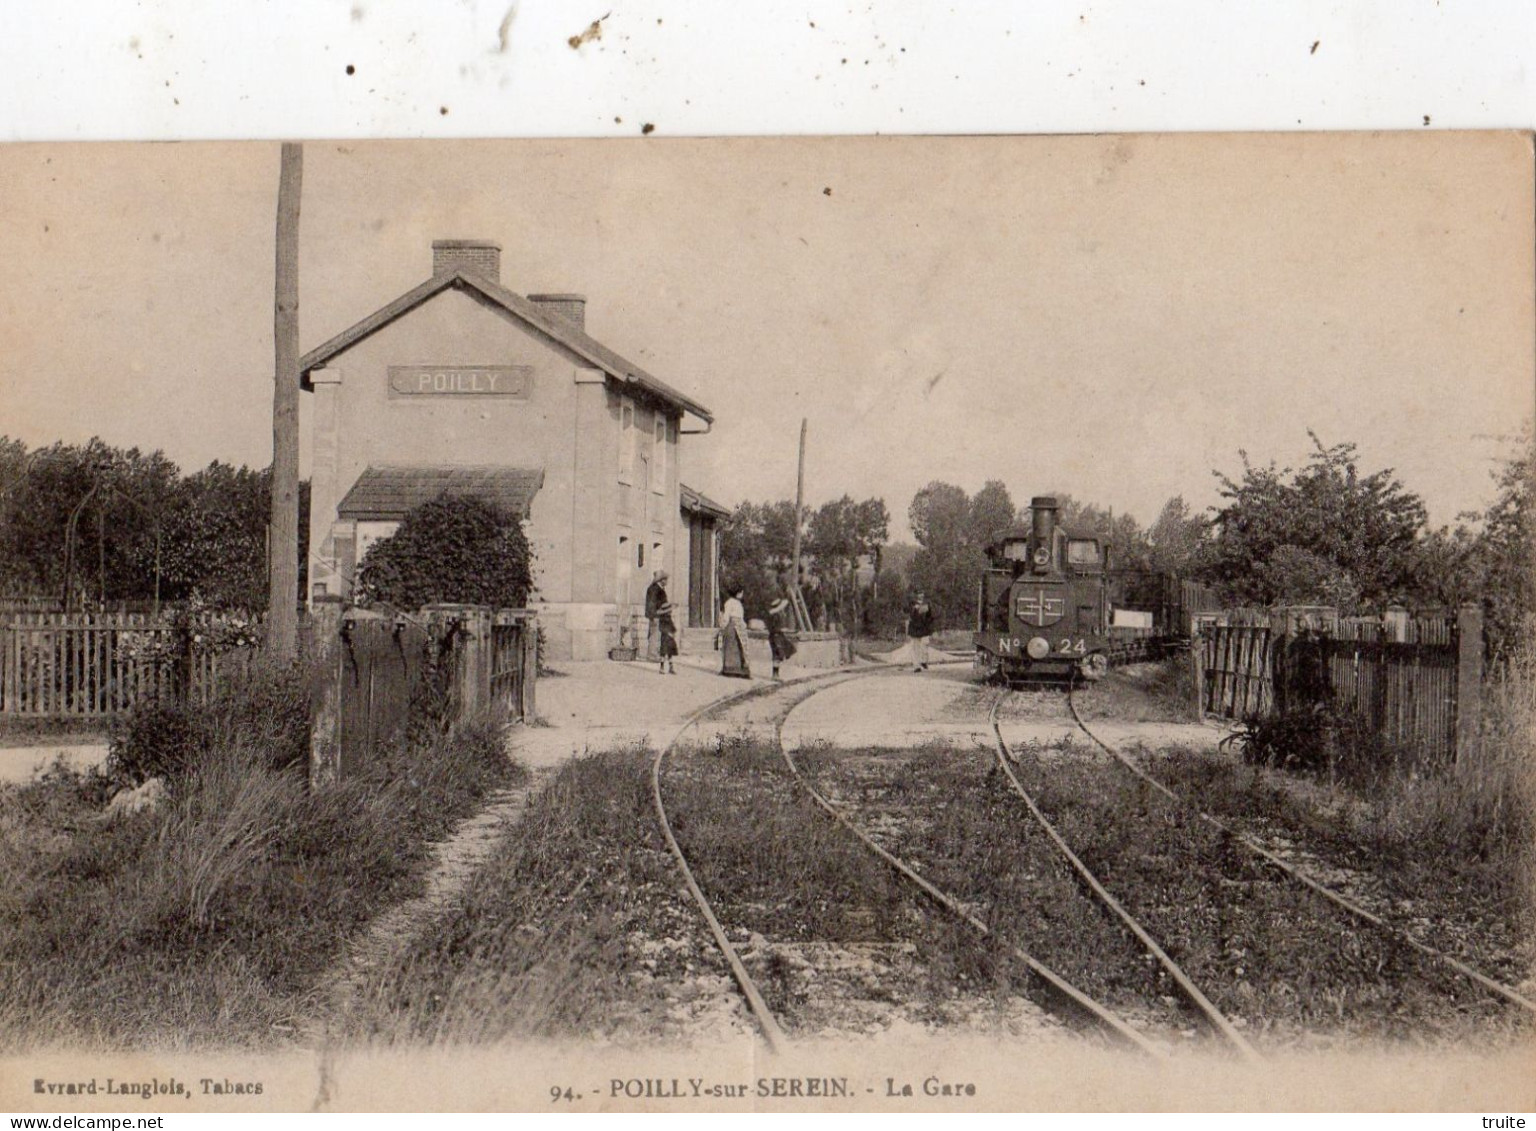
{"x": 733, "y": 636}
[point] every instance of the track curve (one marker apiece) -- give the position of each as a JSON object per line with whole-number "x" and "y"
{"x": 1339, "y": 900}
{"x": 1053, "y": 981}
{"x": 773, "y": 1034}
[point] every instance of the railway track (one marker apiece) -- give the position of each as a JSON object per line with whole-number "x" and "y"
{"x": 1390, "y": 930}
{"x": 1218, "y": 1021}
{"x": 1066, "y": 997}
{"x": 1058, "y": 994}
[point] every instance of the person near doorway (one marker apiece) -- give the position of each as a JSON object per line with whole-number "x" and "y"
{"x": 780, "y": 643}
{"x": 733, "y": 636}
{"x": 919, "y": 629}
{"x": 666, "y": 626}
{"x": 655, "y": 599}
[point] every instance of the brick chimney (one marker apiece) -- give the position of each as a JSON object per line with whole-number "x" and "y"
{"x": 473, "y": 257}
{"x": 573, "y": 308}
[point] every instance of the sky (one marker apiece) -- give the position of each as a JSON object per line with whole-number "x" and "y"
{"x": 1111, "y": 316}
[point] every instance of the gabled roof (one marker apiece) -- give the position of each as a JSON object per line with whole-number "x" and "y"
{"x": 388, "y": 494}
{"x": 698, "y": 503}
{"x": 571, "y": 336}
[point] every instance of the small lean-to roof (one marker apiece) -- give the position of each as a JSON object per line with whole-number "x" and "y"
{"x": 388, "y": 494}
{"x": 696, "y": 502}
{"x": 566, "y": 333}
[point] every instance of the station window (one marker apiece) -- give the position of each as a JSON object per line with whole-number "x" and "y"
{"x": 626, "y": 442}
{"x": 659, "y": 455}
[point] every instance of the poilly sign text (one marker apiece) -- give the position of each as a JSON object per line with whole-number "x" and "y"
{"x": 459, "y": 380}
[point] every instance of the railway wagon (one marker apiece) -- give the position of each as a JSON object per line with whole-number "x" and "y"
{"x": 1043, "y": 609}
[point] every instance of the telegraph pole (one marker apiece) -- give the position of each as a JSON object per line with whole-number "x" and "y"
{"x": 283, "y": 545}
{"x": 799, "y": 504}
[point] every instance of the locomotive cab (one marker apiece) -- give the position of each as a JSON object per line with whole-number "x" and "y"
{"x": 1041, "y": 608}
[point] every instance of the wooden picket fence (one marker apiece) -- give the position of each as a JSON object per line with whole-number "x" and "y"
{"x": 1416, "y": 682}
{"x": 92, "y": 665}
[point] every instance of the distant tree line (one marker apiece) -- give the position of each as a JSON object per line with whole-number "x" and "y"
{"x": 1325, "y": 532}
{"x": 91, "y": 524}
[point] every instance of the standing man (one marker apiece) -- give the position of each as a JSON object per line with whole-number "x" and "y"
{"x": 919, "y": 629}
{"x": 655, "y": 601}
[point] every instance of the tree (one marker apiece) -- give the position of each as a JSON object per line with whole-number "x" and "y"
{"x": 992, "y": 513}
{"x": 1174, "y": 539}
{"x": 99, "y": 523}
{"x": 1492, "y": 560}
{"x": 1326, "y": 529}
{"x": 456, "y": 548}
{"x": 756, "y": 550}
{"x": 952, "y": 532}
{"x": 843, "y": 536}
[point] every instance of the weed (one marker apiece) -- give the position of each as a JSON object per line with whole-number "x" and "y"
{"x": 206, "y": 922}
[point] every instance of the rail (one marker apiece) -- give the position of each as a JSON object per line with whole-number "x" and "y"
{"x": 1045, "y": 974}
{"x": 1192, "y": 992}
{"x": 1321, "y": 889}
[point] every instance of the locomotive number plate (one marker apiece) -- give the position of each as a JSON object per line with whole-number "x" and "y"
{"x": 1008, "y": 645}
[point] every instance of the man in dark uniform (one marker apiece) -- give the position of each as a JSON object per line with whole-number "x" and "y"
{"x": 655, "y": 600}
{"x": 919, "y": 629}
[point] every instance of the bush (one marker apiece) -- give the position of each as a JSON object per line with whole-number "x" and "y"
{"x": 265, "y": 714}
{"x": 1316, "y": 739}
{"x": 457, "y": 549}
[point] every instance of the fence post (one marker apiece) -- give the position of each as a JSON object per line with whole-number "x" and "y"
{"x": 475, "y": 680}
{"x": 469, "y": 685}
{"x": 325, "y": 694}
{"x": 1197, "y": 669}
{"x": 1469, "y": 680}
{"x": 530, "y": 662}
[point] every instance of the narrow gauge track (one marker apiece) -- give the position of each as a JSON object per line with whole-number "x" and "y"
{"x": 1053, "y": 983}
{"x": 773, "y": 1033}
{"x": 1187, "y": 987}
{"x": 1344, "y": 903}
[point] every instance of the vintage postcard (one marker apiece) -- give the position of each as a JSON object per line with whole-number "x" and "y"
{"x": 937, "y": 624}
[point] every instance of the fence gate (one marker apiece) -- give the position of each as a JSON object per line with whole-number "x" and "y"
{"x": 381, "y": 665}
{"x": 456, "y": 659}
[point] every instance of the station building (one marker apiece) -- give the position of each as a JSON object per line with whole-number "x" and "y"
{"x": 461, "y": 385}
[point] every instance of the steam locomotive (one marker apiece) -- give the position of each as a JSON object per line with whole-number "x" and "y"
{"x": 1043, "y": 610}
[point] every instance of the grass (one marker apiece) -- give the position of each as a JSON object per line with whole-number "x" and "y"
{"x": 543, "y": 943}
{"x": 578, "y": 928}
{"x": 21, "y": 731}
{"x": 1453, "y": 843}
{"x": 206, "y": 922}
{"x": 1263, "y": 948}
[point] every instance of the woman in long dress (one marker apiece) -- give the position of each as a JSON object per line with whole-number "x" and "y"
{"x": 780, "y": 643}
{"x": 733, "y": 637}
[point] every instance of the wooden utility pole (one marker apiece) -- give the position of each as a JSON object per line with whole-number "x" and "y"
{"x": 283, "y": 544}
{"x": 797, "y": 598}
{"x": 799, "y": 503}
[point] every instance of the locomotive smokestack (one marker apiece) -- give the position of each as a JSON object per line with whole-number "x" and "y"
{"x": 1043, "y": 518}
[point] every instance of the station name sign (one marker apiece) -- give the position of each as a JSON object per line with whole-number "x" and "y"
{"x": 511, "y": 381}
